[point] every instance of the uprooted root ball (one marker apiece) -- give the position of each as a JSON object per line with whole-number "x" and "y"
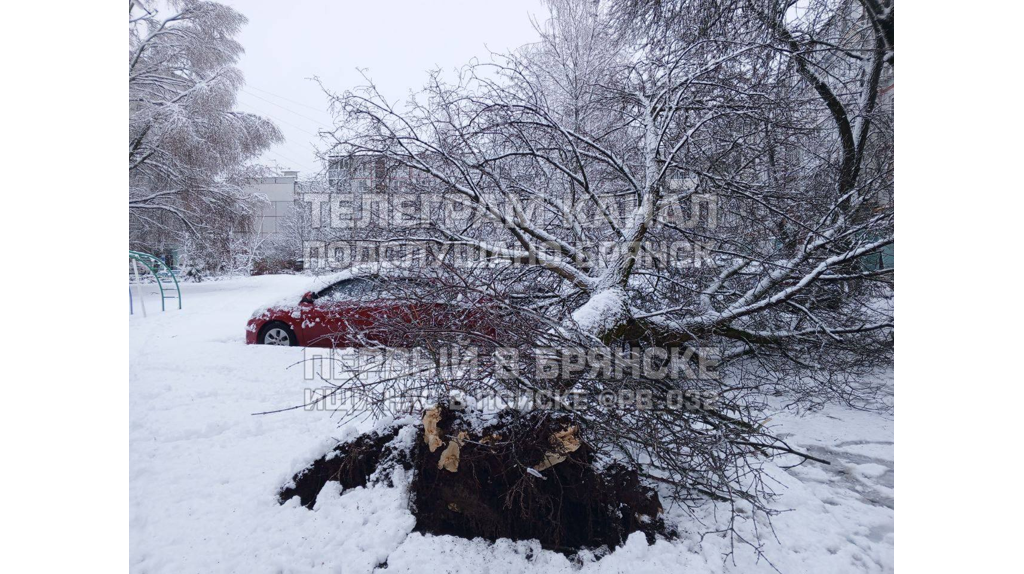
{"x": 522, "y": 476}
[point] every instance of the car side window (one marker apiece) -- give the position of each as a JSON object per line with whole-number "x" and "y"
{"x": 403, "y": 288}
{"x": 350, "y": 289}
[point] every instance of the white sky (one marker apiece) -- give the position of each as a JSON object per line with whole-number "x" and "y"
{"x": 286, "y": 43}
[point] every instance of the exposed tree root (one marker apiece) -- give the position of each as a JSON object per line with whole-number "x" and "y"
{"x": 522, "y": 476}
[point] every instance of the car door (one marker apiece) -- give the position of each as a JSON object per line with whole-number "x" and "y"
{"x": 340, "y": 316}
{"x": 357, "y": 312}
{"x": 407, "y": 314}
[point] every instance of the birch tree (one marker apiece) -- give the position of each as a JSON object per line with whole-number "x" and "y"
{"x": 187, "y": 146}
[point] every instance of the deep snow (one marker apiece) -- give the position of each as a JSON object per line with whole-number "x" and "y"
{"x": 204, "y": 472}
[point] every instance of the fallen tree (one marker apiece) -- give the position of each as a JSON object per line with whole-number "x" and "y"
{"x": 754, "y": 136}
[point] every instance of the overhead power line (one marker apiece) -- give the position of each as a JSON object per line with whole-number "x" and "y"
{"x": 268, "y": 92}
{"x": 283, "y": 107}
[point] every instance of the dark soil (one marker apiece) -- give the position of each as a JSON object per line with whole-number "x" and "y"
{"x": 350, "y": 463}
{"x": 492, "y": 494}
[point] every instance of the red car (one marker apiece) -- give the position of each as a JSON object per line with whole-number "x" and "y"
{"x": 367, "y": 311}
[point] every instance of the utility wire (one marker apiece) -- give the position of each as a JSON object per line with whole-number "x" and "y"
{"x": 273, "y": 117}
{"x": 290, "y": 160}
{"x": 268, "y": 92}
{"x": 283, "y": 107}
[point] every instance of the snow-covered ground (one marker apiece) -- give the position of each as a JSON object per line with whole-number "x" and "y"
{"x": 204, "y": 472}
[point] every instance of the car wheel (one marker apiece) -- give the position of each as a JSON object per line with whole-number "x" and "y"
{"x": 277, "y": 333}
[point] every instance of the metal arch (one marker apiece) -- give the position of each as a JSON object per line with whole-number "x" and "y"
{"x": 155, "y": 264}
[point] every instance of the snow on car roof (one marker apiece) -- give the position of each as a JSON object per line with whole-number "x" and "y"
{"x": 319, "y": 282}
